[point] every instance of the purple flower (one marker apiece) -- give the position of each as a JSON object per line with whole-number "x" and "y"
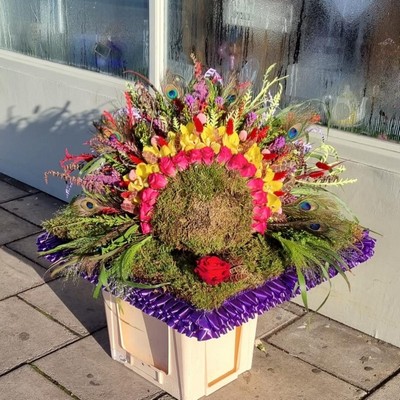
{"x": 219, "y": 101}
{"x": 251, "y": 117}
{"x": 189, "y": 100}
{"x": 201, "y": 91}
{"x": 277, "y": 144}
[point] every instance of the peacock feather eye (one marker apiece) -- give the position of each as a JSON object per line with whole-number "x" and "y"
{"x": 294, "y": 132}
{"x": 172, "y": 93}
{"x": 315, "y": 226}
{"x": 86, "y": 206}
{"x": 173, "y": 86}
{"x": 307, "y": 205}
{"x": 231, "y": 98}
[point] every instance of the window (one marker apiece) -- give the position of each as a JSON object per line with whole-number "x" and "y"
{"x": 343, "y": 53}
{"x": 106, "y": 35}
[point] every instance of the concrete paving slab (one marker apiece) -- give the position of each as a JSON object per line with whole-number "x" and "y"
{"x": 340, "y": 350}
{"x": 26, "y": 384}
{"x": 87, "y": 370}
{"x": 18, "y": 184}
{"x": 293, "y": 308}
{"x": 26, "y": 334}
{"x": 27, "y": 247}
{"x": 9, "y": 192}
{"x": 71, "y": 303}
{"x": 34, "y": 208}
{"x": 389, "y": 391}
{"x": 18, "y": 274}
{"x": 12, "y": 227}
{"x": 273, "y": 320}
{"x": 276, "y": 375}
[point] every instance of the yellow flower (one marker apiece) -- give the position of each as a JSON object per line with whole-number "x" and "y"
{"x": 165, "y": 150}
{"x": 210, "y": 137}
{"x": 190, "y": 140}
{"x": 254, "y": 156}
{"x": 231, "y": 141}
{"x": 271, "y": 186}
{"x": 142, "y": 172}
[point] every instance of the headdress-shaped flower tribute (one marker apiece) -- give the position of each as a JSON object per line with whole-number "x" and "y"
{"x": 203, "y": 190}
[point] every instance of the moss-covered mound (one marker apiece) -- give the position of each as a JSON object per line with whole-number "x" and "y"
{"x": 204, "y": 209}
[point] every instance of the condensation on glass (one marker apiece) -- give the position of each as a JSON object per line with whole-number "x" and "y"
{"x": 345, "y": 54}
{"x": 110, "y": 36}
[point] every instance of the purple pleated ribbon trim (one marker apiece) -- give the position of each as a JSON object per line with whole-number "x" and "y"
{"x": 235, "y": 311}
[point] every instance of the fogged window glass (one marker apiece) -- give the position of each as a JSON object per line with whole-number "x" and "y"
{"x": 105, "y": 35}
{"x": 343, "y": 53}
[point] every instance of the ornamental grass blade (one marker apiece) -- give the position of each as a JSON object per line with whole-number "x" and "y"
{"x": 324, "y": 270}
{"x": 303, "y": 287}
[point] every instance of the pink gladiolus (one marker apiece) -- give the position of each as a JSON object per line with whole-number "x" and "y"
{"x": 259, "y": 198}
{"x": 207, "y": 155}
{"x": 149, "y": 196}
{"x": 261, "y": 213}
{"x": 202, "y": 118}
{"x": 157, "y": 181}
{"x": 259, "y": 227}
{"x": 255, "y": 184}
{"x": 167, "y": 167}
{"x": 145, "y": 212}
{"x": 145, "y": 227}
{"x": 224, "y": 155}
{"x": 195, "y": 156}
{"x": 181, "y": 160}
{"x": 248, "y": 171}
{"x": 127, "y": 206}
{"x": 237, "y": 162}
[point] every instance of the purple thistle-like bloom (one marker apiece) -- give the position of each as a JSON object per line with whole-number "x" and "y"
{"x": 277, "y": 144}
{"x": 219, "y": 101}
{"x": 201, "y": 91}
{"x": 190, "y": 100}
{"x": 251, "y": 118}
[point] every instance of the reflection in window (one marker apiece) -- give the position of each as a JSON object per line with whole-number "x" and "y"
{"x": 105, "y": 35}
{"x": 345, "y": 53}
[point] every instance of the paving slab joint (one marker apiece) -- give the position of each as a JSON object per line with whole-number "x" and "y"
{"x": 313, "y": 365}
{"x": 19, "y": 216}
{"x": 51, "y": 317}
{"x": 381, "y": 384}
{"x": 53, "y": 381}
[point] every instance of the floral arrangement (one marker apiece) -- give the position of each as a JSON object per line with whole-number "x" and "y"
{"x": 205, "y": 204}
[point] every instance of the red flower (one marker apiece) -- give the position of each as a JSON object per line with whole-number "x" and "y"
{"x": 213, "y": 270}
{"x": 230, "y": 128}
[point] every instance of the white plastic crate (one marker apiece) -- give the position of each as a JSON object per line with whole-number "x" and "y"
{"x": 184, "y": 367}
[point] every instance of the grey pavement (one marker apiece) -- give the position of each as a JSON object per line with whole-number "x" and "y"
{"x": 54, "y": 341}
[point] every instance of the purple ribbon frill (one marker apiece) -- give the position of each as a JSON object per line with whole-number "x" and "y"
{"x": 235, "y": 311}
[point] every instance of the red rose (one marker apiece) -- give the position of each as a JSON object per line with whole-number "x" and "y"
{"x": 213, "y": 270}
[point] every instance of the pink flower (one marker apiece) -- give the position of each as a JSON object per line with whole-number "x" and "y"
{"x": 157, "y": 181}
{"x": 167, "y": 167}
{"x": 224, "y": 155}
{"x": 248, "y": 171}
{"x": 149, "y": 196}
{"x": 237, "y": 162}
{"x": 259, "y": 226}
{"x": 145, "y": 227}
{"x": 207, "y": 155}
{"x": 195, "y": 156}
{"x": 181, "y": 160}
{"x": 242, "y": 135}
{"x": 255, "y": 184}
{"x": 259, "y": 198}
{"x": 127, "y": 206}
{"x": 145, "y": 212}
{"x": 261, "y": 213}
